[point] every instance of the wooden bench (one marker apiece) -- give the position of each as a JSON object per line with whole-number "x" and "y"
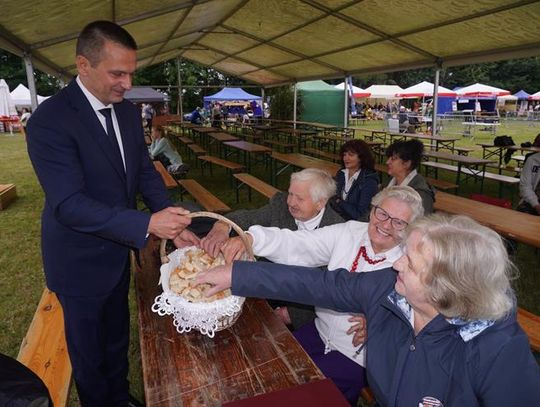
{"x": 230, "y": 166}
{"x": 196, "y": 149}
{"x": 463, "y": 150}
{"x": 530, "y": 323}
{"x": 168, "y": 179}
{"x": 287, "y": 147}
{"x": 253, "y": 183}
{"x": 44, "y": 350}
{"x": 8, "y": 193}
{"x": 500, "y": 178}
{"x": 437, "y": 183}
{"x": 205, "y": 198}
{"x": 322, "y": 154}
{"x": 185, "y": 140}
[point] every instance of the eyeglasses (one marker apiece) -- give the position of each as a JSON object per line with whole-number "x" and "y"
{"x": 382, "y": 215}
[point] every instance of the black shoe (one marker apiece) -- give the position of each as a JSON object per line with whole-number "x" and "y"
{"x": 133, "y": 402}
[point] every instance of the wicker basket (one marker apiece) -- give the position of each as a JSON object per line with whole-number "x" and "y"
{"x": 207, "y": 318}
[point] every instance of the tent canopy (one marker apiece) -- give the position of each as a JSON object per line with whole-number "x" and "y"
{"x": 357, "y": 92}
{"x": 276, "y": 42}
{"x": 139, "y": 94}
{"x": 231, "y": 94}
{"x": 535, "y": 96}
{"x": 507, "y": 98}
{"x": 522, "y": 95}
{"x": 481, "y": 90}
{"x": 316, "y": 86}
{"x": 321, "y": 103}
{"x": 425, "y": 89}
{"x": 7, "y": 107}
{"x": 384, "y": 91}
{"x": 21, "y": 96}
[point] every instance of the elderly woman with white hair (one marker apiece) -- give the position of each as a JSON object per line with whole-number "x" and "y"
{"x": 303, "y": 207}
{"x": 357, "y": 246}
{"x": 442, "y": 330}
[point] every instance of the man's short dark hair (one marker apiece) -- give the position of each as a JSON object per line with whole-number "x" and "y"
{"x": 92, "y": 39}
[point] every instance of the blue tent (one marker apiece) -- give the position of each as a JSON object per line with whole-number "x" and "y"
{"x": 522, "y": 95}
{"x": 235, "y": 95}
{"x": 231, "y": 94}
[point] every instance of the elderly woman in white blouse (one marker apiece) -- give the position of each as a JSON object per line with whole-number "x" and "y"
{"x": 357, "y": 246}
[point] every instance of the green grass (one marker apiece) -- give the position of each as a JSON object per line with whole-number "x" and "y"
{"x": 21, "y": 271}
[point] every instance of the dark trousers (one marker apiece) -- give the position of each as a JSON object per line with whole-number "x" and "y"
{"x": 97, "y": 335}
{"x": 348, "y": 376}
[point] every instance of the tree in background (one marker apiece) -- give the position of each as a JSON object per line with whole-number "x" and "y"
{"x": 282, "y": 103}
{"x": 514, "y": 75}
{"x": 200, "y": 81}
{"x": 12, "y": 70}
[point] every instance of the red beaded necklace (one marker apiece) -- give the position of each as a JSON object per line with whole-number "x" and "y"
{"x": 362, "y": 251}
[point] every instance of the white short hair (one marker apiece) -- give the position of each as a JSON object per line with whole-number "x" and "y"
{"x": 321, "y": 185}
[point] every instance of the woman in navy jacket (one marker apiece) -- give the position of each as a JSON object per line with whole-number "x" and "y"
{"x": 442, "y": 331}
{"x": 357, "y": 183}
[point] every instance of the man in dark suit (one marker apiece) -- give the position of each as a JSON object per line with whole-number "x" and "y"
{"x": 87, "y": 147}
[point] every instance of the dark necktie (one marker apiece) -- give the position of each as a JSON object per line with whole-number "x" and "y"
{"x": 110, "y": 131}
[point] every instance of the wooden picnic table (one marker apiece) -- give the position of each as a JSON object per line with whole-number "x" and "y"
{"x": 491, "y": 150}
{"x": 257, "y": 355}
{"x": 219, "y": 138}
{"x": 300, "y": 161}
{"x": 469, "y": 128}
{"x": 475, "y": 167}
{"x": 300, "y": 135}
{"x": 375, "y": 135}
{"x": 247, "y": 150}
{"x": 509, "y": 223}
{"x": 440, "y": 142}
{"x": 184, "y": 126}
{"x": 167, "y": 178}
{"x": 202, "y": 133}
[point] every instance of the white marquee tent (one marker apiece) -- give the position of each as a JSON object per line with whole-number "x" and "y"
{"x": 480, "y": 90}
{"x": 425, "y": 89}
{"x": 384, "y": 91}
{"x": 7, "y": 107}
{"x": 21, "y": 96}
{"x": 357, "y": 92}
{"x": 535, "y": 96}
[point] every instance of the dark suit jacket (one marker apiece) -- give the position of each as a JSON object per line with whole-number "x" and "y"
{"x": 90, "y": 220}
{"x": 276, "y": 213}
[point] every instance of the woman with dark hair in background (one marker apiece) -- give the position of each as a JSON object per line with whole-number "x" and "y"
{"x": 403, "y": 160}
{"x": 357, "y": 183}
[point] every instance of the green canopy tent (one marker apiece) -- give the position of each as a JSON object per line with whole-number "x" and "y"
{"x": 321, "y": 103}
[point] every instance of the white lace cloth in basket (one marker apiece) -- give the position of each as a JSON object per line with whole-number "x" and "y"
{"x": 206, "y": 317}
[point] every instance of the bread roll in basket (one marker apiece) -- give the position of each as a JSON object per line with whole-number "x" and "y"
{"x": 197, "y": 313}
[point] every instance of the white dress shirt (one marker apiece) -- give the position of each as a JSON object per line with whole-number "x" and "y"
{"x": 98, "y": 105}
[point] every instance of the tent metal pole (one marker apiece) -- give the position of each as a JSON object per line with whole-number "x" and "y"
{"x": 179, "y": 109}
{"x": 262, "y": 102}
{"x": 346, "y": 100}
{"x": 435, "y": 101}
{"x": 295, "y": 90}
{"x": 31, "y": 81}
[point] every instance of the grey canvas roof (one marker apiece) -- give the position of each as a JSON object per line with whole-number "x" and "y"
{"x": 271, "y": 42}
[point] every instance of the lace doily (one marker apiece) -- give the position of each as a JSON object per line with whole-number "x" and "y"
{"x": 207, "y": 318}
